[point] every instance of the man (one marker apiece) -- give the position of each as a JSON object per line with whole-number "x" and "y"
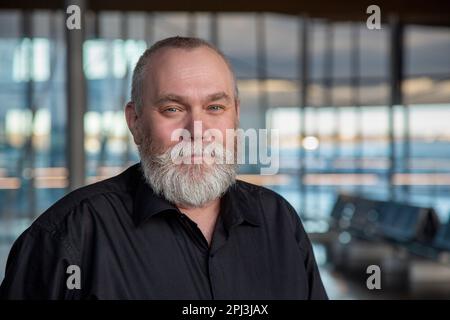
{"x": 167, "y": 229}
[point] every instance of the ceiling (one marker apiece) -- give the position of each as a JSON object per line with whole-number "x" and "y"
{"x": 430, "y": 12}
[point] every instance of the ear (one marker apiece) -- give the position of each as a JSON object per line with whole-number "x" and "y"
{"x": 133, "y": 122}
{"x": 238, "y": 110}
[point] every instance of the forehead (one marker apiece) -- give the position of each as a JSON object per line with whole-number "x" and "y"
{"x": 187, "y": 71}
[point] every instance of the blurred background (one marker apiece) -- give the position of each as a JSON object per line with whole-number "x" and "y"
{"x": 363, "y": 116}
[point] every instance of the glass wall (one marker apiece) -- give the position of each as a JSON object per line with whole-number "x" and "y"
{"x": 344, "y": 145}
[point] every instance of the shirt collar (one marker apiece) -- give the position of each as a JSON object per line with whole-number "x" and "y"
{"x": 146, "y": 202}
{"x": 236, "y": 206}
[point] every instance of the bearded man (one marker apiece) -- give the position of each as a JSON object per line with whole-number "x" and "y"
{"x": 174, "y": 226}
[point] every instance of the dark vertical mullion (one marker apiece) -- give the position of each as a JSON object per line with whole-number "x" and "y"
{"x": 395, "y": 97}
{"x": 303, "y": 72}
{"x": 106, "y": 83}
{"x": 192, "y": 24}
{"x": 406, "y": 147}
{"x": 355, "y": 85}
{"x": 214, "y": 29}
{"x": 76, "y": 102}
{"x": 261, "y": 67}
{"x": 336, "y": 129}
{"x": 96, "y": 18}
{"x": 29, "y": 156}
{"x": 328, "y": 67}
{"x": 52, "y": 88}
{"x": 336, "y": 134}
{"x": 125, "y": 34}
{"x": 149, "y": 28}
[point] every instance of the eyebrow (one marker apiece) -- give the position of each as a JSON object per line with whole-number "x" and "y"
{"x": 219, "y": 96}
{"x": 170, "y": 97}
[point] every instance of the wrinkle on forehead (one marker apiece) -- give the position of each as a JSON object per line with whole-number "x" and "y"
{"x": 166, "y": 70}
{"x": 192, "y": 72}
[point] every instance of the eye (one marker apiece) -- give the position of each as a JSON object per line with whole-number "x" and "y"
{"x": 215, "y": 107}
{"x": 171, "y": 110}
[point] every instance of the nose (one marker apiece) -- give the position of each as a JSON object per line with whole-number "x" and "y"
{"x": 196, "y": 125}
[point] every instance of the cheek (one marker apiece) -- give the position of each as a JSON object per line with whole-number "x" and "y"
{"x": 224, "y": 127}
{"x": 157, "y": 129}
{"x": 161, "y": 132}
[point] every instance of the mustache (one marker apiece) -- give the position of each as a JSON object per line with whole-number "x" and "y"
{"x": 186, "y": 152}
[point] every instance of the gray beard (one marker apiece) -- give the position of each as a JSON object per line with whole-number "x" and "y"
{"x": 186, "y": 185}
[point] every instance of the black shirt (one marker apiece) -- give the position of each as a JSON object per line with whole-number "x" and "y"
{"x": 131, "y": 244}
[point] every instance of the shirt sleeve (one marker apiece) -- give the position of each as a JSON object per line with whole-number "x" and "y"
{"x": 36, "y": 267}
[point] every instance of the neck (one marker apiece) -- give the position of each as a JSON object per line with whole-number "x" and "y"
{"x": 211, "y": 208}
{"x": 205, "y": 217}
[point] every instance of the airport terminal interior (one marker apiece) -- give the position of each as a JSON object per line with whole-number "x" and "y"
{"x": 363, "y": 117}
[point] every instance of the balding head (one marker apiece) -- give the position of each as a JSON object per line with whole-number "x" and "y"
{"x": 181, "y": 43}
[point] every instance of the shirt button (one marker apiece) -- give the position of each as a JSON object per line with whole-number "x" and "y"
{"x": 211, "y": 255}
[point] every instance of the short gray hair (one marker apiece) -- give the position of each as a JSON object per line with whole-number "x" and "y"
{"x": 187, "y": 43}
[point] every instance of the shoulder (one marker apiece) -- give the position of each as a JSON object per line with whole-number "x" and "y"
{"x": 261, "y": 193}
{"x": 81, "y": 202}
{"x": 277, "y": 213}
{"x": 272, "y": 204}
